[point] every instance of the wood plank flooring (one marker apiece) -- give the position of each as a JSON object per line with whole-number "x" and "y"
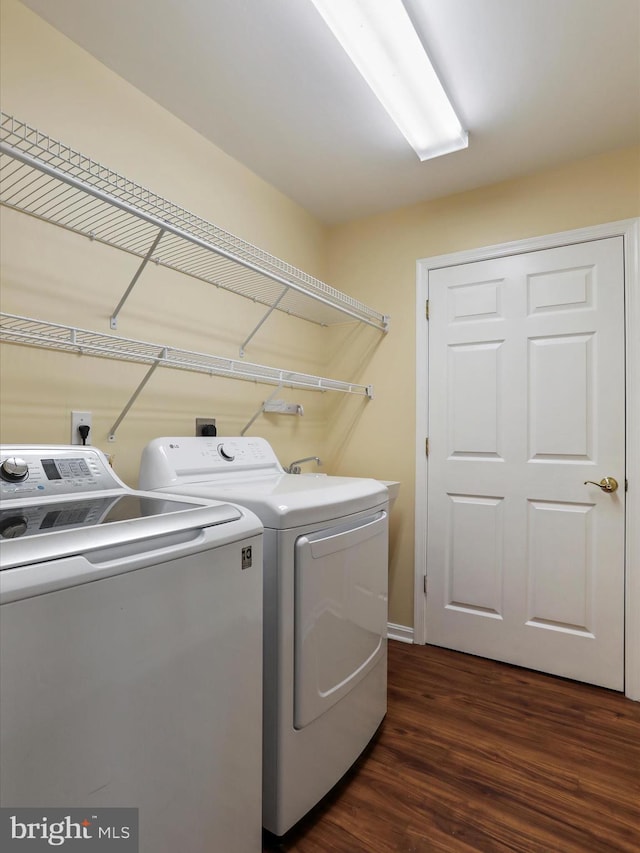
{"x": 475, "y": 755}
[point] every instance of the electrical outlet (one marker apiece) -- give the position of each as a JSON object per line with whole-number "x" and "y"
{"x": 205, "y": 424}
{"x": 78, "y": 418}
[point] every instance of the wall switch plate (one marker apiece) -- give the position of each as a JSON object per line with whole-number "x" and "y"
{"x": 78, "y": 418}
{"x": 203, "y": 423}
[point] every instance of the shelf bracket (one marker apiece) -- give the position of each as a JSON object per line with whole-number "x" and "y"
{"x": 261, "y": 409}
{"x": 266, "y": 316}
{"x": 145, "y": 261}
{"x": 162, "y": 355}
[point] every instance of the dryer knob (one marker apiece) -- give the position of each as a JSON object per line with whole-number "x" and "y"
{"x": 14, "y": 469}
{"x": 226, "y": 453}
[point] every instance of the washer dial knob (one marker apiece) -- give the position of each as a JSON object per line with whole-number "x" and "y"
{"x": 12, "y": 527}
{"x": 14, "y": 469}
{"x": 226, "y": 452}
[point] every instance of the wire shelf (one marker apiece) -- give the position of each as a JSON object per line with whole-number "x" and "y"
{"x": 26, "y": 330}
{"x": 49, "y": 180}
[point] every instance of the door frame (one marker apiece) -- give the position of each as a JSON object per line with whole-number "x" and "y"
{"x": 629, "y": 230}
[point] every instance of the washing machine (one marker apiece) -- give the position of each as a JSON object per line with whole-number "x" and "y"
{"x": 130, "y": 653}
{"x": 325, "y": 606}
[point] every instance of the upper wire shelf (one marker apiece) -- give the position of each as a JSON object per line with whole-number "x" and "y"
{"x": 49, "y": 180}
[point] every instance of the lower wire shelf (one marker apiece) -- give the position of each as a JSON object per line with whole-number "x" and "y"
{"x": 28, "y": 331}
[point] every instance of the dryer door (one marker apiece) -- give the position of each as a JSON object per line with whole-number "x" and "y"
{"x": 340, "y": 611}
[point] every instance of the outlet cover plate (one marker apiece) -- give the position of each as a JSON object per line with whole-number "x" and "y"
{"x": 201, "y": 422}
{"x": 78, "y": 418}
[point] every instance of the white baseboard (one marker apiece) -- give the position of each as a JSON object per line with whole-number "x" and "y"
{"x": 399, "y": 632}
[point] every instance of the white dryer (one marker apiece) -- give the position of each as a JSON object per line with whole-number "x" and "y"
{"x": 325, "y": 607}
{"x": 130, "y": 652}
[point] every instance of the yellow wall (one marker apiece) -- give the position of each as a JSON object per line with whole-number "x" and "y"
{"x": 47, "y": 273}
{"x": 375, "y": 260}
{"x": 52, "y": 84}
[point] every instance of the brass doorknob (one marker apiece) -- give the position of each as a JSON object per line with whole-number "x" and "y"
{"x": 607, "y": 484}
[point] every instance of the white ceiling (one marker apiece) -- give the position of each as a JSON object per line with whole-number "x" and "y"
{"x": 535, "y": 82}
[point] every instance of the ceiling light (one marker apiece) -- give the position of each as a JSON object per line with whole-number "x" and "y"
{"x": 381, "y": 42}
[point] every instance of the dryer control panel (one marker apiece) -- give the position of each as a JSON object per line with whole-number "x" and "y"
{"x": 185, "y": 459}
{"x": 32, "y": 471}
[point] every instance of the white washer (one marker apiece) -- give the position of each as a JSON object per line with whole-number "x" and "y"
{"x": 325, "y": 618}
{"x": 131, "y": 637}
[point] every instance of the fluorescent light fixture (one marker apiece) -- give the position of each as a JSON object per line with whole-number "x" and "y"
{"x": 381, "y": 42}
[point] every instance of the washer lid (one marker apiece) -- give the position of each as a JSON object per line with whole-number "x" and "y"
{"x": 33, "y": 531}
{"x": 293, "y": 500}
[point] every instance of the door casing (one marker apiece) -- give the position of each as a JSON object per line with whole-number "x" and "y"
{"x": 629, "y": 229}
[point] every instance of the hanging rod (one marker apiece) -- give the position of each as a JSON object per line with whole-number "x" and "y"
{"x": 51, "y": 181}
{"x": 38, "y": 333}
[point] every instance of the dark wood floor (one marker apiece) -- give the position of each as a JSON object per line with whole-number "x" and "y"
{"x": 480, "y": 756}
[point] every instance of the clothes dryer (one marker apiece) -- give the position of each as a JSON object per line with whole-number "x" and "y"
{"x": 325, "y": 606}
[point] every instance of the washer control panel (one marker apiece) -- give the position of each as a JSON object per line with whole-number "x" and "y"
{"x": 28, "y": 471}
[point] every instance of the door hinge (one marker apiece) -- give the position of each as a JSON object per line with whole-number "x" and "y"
{"x": 426, "y": 309}
{"x": 626, "y": 485}
{"x": 425, "y": 584}
{"x": 426, "y": 447}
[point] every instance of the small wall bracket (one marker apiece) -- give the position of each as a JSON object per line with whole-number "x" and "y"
{"x": 281, "y": 407}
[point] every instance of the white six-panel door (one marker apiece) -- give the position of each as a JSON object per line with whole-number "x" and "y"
{"x": 525, "y": 563}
